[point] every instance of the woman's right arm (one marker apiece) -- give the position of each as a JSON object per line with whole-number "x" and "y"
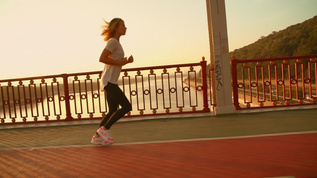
{"x": 104, "y": 58}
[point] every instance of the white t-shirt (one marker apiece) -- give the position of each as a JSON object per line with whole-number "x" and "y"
{"x": 111, "y": 73}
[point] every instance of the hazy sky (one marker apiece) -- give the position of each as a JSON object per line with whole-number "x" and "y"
{"x": 44, "y": 37}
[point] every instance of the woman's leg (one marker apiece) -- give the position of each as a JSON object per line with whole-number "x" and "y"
{"x": 116, "y": 97}
{"x": 113, "y": 107}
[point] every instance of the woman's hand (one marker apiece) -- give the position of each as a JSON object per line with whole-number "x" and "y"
{"x": 130, "y": 59}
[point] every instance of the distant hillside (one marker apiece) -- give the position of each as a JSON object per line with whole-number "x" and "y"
{"x": 296, "y": 40}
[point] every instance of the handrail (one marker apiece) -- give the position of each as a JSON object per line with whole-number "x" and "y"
{"x": 271, "y": 59}
{"x": 99, "y": 72}
{"x": 274, "y": 82}
{"x": 160, "y": 90}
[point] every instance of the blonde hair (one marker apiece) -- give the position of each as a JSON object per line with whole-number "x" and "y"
{"x": 109, "y": 30}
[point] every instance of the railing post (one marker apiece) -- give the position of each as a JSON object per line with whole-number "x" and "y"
{"x": 66, "y": 93}
{"x": 204, "y": 83}
{"x": 234, "y": 73}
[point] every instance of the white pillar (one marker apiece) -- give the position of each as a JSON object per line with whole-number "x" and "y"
{"x": 219, "y": 56}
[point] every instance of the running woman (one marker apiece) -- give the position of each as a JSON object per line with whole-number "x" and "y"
{"x": 113, "y": 58}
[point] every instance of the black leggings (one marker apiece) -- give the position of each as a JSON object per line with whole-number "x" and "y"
{"x": 115, "y": 97}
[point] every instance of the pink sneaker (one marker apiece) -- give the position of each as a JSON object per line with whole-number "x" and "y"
{"x": 96, "y": 141}
{"x": 105, "y": 135}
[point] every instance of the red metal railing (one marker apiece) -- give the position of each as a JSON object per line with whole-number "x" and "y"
{"x": 274, "y": 82}
{"x": 159, "y": 90}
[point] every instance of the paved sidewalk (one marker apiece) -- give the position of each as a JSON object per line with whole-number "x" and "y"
{"x": 65, "y": 151}
{"x": 165, "y": 129}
